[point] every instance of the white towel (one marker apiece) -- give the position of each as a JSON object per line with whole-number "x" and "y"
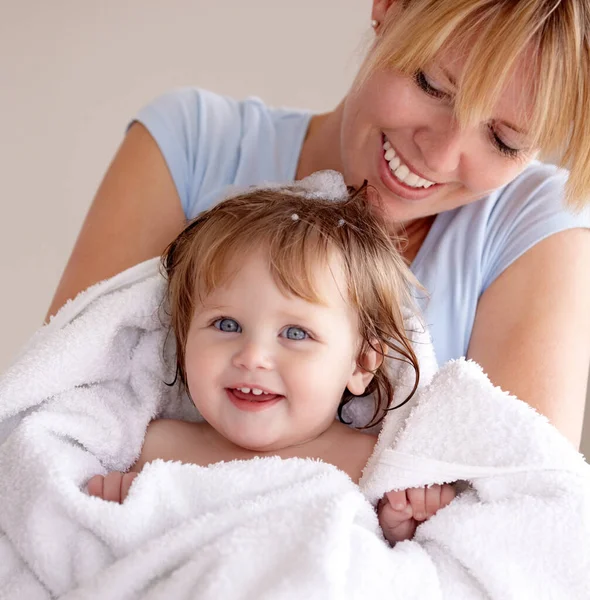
{"x": 77, "y": 400}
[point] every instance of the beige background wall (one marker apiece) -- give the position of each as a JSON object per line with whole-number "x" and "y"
{"x": 72, "y": 74}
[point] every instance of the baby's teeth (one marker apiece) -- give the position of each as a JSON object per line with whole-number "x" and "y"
{"x": 254, "y": 391}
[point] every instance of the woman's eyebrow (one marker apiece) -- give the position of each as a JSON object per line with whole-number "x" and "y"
{"x": 448, "y": 75}
{"x": 508, "y": 124}
{"x": 511, "y": 126}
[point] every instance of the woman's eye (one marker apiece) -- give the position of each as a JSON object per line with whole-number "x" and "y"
{"x": 294, "y": 333}
{"x": 427, "y": 86}
{"x": 227, "y": 325}
{"x": 501, "y": 145}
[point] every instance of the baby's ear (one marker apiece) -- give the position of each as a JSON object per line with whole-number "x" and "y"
{"x": 367, "y": 363}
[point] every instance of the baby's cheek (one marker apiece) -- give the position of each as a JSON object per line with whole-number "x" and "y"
{"x": 202, "y": 375}
{"x": 327, "y": 378}
{"x": 201, "y": 365}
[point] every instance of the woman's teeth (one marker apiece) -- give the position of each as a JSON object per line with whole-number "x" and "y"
{"x": 401, "y": 171}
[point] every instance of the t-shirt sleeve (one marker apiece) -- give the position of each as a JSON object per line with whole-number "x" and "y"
{"x": 527, "y": 211}
{"x": 198, "y": 133}
{"x": 172, "y": 121}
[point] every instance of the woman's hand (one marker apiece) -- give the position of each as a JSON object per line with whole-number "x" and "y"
{"x": 402, "y": 511}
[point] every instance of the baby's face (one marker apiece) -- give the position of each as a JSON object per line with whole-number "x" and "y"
{"x": 267, "y": 370}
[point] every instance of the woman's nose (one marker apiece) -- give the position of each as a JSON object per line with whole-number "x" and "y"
{"x": 253, "y": 355}
{"x": 442, "y": 147}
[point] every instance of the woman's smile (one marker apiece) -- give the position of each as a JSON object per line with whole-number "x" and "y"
{"x": 401, "y": 178}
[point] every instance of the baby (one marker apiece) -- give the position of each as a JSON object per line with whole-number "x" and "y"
{"x": 284, "y": 309}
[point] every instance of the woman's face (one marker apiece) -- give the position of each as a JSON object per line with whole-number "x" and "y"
{"x": 427, "y": 165}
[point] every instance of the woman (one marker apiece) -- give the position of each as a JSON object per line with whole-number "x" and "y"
{"x": 453, "y": 104}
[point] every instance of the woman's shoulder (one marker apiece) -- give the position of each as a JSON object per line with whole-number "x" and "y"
{"x": 199, "y": 110}
{"x": 513, "y": 219}
{"x": 535, "y": 199}
{"x": 470, "y": 246}
{"x": 539, "y": 183}
{"x": 533, "y": 204}
{"x": 211, "y": 141}
{"x": 191, "y": 113}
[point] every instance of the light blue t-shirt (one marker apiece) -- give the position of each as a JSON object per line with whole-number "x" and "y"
{"x": 212, "y": 143}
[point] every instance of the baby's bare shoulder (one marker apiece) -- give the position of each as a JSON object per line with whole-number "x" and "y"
{"x": 162, "y": 431}
{"x": 163, "y": 439}
{"x": 350, "y": 450}
{"x": 159, "y": 427}
{"x": 362, "y": 444}
{"x": 353, "y": 436}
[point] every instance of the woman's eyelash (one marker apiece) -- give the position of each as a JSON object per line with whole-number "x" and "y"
{"x": 501, "y": 146}
{"x": 422, "y": 82}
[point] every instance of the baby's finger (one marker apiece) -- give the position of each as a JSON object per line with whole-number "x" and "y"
{"x": 393, "y": 517}
{"x": 417, "y": 499}
{"x": 432, "y": 499}
{"x": 126, "y": 482}
{"x": 112, "y": 487}
{"x": 396, "y": 526}
{"x": 95, "y": 486}
{"x": 403, "y": 531}
{"x": 447, "y": 495}
{"x": 397, "y": 499}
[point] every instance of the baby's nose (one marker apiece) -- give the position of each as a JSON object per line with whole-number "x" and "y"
{"x": 253, "y": 355}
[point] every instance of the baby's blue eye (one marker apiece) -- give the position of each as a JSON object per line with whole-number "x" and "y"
{"x": 294, "y": 333}
{"x": 227, "y": 325}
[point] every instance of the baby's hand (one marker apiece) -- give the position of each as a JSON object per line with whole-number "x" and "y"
{"x": 401, "y": 512}
{"x": 114, "y": 487}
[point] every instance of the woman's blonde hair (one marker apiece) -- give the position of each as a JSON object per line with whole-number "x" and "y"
{"x": 492, "y": 36}
{"x": 299, "y": 233}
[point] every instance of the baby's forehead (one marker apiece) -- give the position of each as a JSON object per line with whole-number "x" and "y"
{"x": 316, "y": 279}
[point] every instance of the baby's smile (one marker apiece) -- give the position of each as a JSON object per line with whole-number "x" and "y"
{"x": 252, "y": 399}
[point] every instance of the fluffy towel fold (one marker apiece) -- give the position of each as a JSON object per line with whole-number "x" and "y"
{"x": 77, "y": 401}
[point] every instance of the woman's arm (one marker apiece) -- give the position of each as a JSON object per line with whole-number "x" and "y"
{"x": 532, "y": 329}
{"x": 135, "y": 214}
